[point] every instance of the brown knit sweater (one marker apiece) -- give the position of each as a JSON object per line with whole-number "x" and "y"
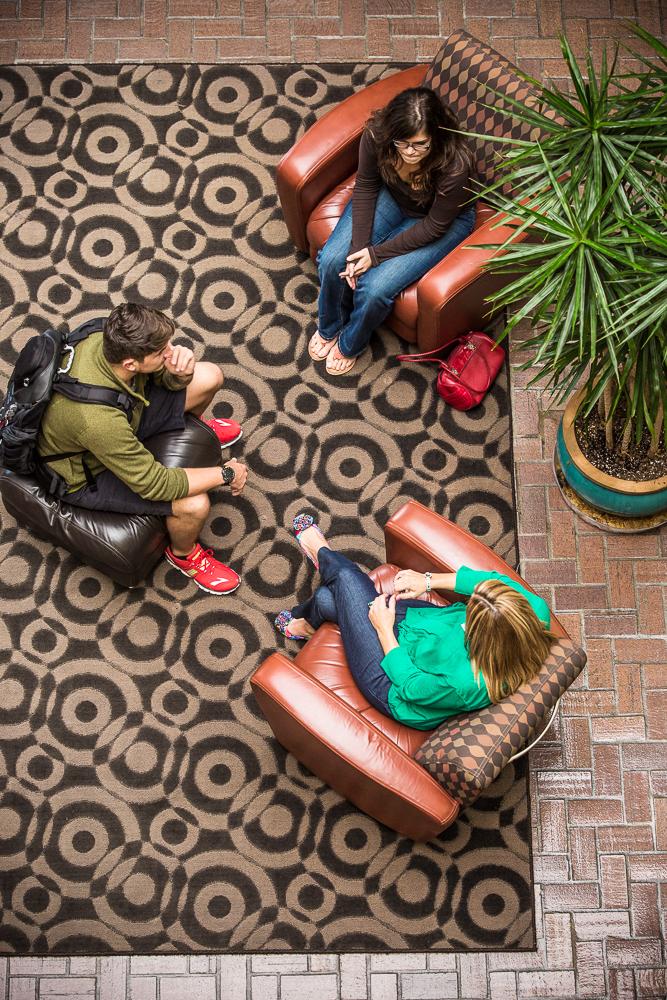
{"x": 432, "y": 218}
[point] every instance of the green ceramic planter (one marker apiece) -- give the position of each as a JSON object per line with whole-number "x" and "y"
{"x": 622, "y": 497}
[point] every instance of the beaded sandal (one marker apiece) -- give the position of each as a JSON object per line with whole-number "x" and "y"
{"x": 282, "y": 621}
{"x": 299, "y": 524}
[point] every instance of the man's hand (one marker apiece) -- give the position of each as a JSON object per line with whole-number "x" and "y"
{"x": 240, "y": 475}
{"x": 180, "y": 361}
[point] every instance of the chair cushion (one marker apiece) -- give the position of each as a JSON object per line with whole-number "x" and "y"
{"x": 464, "y": 73}
{"x": 467, "y": 752}
{"x": 324, "y": 217}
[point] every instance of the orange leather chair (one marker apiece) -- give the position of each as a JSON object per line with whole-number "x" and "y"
{"x": 386, "y": 768}
{"x": 316, "y": 177}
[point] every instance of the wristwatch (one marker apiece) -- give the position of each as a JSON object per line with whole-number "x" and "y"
{"x": 228, "y": 475}
{"x": 427, "y": 577}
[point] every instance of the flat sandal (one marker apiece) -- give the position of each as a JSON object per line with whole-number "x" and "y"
{"x": 320, "y": 357}
{"x": 351, "y": 362}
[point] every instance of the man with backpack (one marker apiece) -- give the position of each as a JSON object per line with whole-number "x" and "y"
{"x": 99, "y": 452}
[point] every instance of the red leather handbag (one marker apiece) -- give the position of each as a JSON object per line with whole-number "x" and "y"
{"x": 468, "y": 372}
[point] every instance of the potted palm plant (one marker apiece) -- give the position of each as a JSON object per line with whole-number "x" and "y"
{"x": 591, "y": 278}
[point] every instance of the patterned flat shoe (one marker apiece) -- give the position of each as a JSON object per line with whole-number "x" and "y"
{"x": 299, "y": 524}
{"x": 282, "y": 621}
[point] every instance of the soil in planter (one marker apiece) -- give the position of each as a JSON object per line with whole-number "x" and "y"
{"x": 637, "y": 465}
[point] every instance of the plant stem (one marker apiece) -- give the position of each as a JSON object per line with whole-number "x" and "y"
{"x": 657, "y": 427}
{"x": 608, "y": 423}
{"x": 627, "y": 430}
{"x": 601, "y": 408}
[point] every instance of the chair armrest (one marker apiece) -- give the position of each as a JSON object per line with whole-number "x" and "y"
{"x": 451, "y": 296}
{"x": 328, "y": 152}
{"x": 346, "y": 750}
{"x": 418, "y": 538}
{"x": 538, "y": 739}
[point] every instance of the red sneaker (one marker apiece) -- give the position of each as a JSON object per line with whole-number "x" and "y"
{"x": 207, "y": 572}
{"x": 226, "y": 431}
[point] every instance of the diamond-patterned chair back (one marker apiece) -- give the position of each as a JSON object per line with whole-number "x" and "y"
{"x": 461, "y": 74}
{"x": 467, "y": 752}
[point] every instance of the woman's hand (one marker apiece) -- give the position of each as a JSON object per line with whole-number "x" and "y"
{"x": 409, "y": 585}
{"x": 348, "y": 275}
{"x": 361, "y": 261}
{"x": 382, "y": 614}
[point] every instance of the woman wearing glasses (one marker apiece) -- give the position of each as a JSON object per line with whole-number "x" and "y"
{"x": 410, "y": 207}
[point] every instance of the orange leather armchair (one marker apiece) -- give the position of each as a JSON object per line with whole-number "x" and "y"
{"x": 317, "y": 712}
{"x": 316, "y": 177}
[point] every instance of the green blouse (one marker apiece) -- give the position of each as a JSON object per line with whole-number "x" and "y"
{"x": 430, "y": 670}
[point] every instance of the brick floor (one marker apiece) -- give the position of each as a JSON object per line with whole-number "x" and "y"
{"x": 599, "y": 788}
{"x": 309, "y": 30}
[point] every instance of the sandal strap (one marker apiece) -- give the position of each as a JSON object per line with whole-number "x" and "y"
{"x": 342, "y": 357}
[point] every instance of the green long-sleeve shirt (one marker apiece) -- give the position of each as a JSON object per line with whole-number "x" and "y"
{"x": 430, "y": 670}
{"x": 103, "y": 434}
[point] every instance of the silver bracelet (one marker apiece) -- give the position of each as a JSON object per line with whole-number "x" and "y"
{"x": 427, "y": 577}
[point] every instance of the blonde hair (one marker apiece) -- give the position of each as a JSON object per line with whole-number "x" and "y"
{"x": 506, "y": 641}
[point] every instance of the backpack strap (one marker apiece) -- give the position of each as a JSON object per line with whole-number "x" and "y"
{"x": 56, "y": 457}
{"x": 85, "y": 330}
{"x": 52, "y": 481}
{"x": 81, "y": 392}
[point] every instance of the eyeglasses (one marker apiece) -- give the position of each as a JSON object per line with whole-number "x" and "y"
{"x": 418, "y": 147}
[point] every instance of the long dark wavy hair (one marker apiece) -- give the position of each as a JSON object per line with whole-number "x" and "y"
{"x": 409, "y": 112}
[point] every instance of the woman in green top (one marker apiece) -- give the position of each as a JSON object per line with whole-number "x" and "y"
{"x": 414, "y": 661}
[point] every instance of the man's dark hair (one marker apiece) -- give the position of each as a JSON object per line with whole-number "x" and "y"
{"x": 133, "y": 331}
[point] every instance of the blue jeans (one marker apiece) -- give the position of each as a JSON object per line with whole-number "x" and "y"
{"x": 352, "y": 316}
{"x": 343, "y": 598}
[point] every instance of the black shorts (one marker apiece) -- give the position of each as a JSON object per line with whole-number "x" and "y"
{"x": 165, "y": 413}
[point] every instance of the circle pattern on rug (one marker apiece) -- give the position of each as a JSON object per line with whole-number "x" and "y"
{"x": 146, "y": 805}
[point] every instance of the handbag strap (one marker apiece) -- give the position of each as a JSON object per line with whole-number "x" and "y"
{"x": 432, "y": 355}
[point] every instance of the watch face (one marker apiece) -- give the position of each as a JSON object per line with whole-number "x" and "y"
{"x": 227, "y": 475}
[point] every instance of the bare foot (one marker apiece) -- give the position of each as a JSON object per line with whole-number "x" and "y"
{"x": 299, "y": 627}
{"x": 318, "y": 347}
{"x": 311, "y": 541}
{"x": 338, "y": 364}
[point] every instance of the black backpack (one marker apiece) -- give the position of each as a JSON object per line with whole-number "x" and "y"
{"x": 37, "y": 375}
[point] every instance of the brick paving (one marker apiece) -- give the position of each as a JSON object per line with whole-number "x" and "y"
{"x": 599, "y": 787}
{"x": 308, "y": 30}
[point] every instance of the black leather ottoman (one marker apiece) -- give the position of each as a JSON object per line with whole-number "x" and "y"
{"x": 124, "y": 547}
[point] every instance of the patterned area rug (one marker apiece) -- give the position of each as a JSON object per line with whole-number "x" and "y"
{"x": 144, "y": 803}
